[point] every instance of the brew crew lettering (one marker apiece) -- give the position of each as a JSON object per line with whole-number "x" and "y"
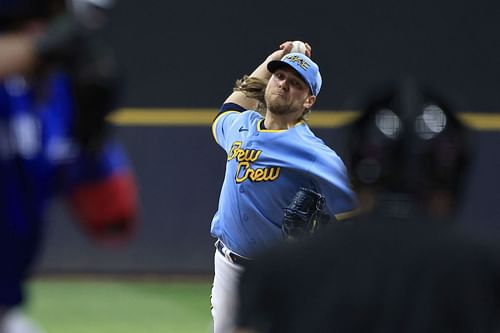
{"x": 246, "y": 155}
{"x": 244, "y": 170}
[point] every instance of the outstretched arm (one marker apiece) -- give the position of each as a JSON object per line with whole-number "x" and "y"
{"x": 17, "y": 54}
{"x": 40, "y": 42}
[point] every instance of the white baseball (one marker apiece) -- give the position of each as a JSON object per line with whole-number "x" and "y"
{"x": 298, "y": 47}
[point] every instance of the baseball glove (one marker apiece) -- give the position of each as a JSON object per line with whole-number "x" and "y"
{"x": 305, "y": 214}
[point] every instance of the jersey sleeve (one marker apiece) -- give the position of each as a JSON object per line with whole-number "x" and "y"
{"x": 333, "y": 182}
{"x": 225, "y": 119}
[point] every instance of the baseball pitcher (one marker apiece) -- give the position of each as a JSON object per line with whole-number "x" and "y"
{"x": 271, "y": 155}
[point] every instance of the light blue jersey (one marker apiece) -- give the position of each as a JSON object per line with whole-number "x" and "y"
{"x": 264, "y": 170}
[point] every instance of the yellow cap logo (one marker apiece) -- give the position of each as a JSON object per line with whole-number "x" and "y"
{"x": 300, "y": 61}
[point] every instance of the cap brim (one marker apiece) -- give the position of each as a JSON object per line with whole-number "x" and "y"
{"x": 274, "y": 65}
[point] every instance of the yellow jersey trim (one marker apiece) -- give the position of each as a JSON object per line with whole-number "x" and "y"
{"x": 216, "y": 120}
{"x": 275, "y": 131}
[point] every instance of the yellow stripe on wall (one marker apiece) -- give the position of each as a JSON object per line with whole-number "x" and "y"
{"x": 163, "y": 117}
{"x": 481, "y": 121}
{"x": 331, "y": 119}
{"x": 318, "y": 119}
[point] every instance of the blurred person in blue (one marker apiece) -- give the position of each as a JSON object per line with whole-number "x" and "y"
{"x": 58, "y": 81}
{"x": 402, "y": 264}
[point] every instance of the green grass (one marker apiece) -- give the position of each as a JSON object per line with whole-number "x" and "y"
{"x": 62, "y": 306}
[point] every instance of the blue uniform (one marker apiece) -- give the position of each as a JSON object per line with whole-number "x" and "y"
{"x": 38, "y": 158}
{"x": 264, "y": 170}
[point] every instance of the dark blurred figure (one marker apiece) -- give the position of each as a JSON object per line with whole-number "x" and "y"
{"x": 58, "y": 82}
{"x": 401, "y": 265}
